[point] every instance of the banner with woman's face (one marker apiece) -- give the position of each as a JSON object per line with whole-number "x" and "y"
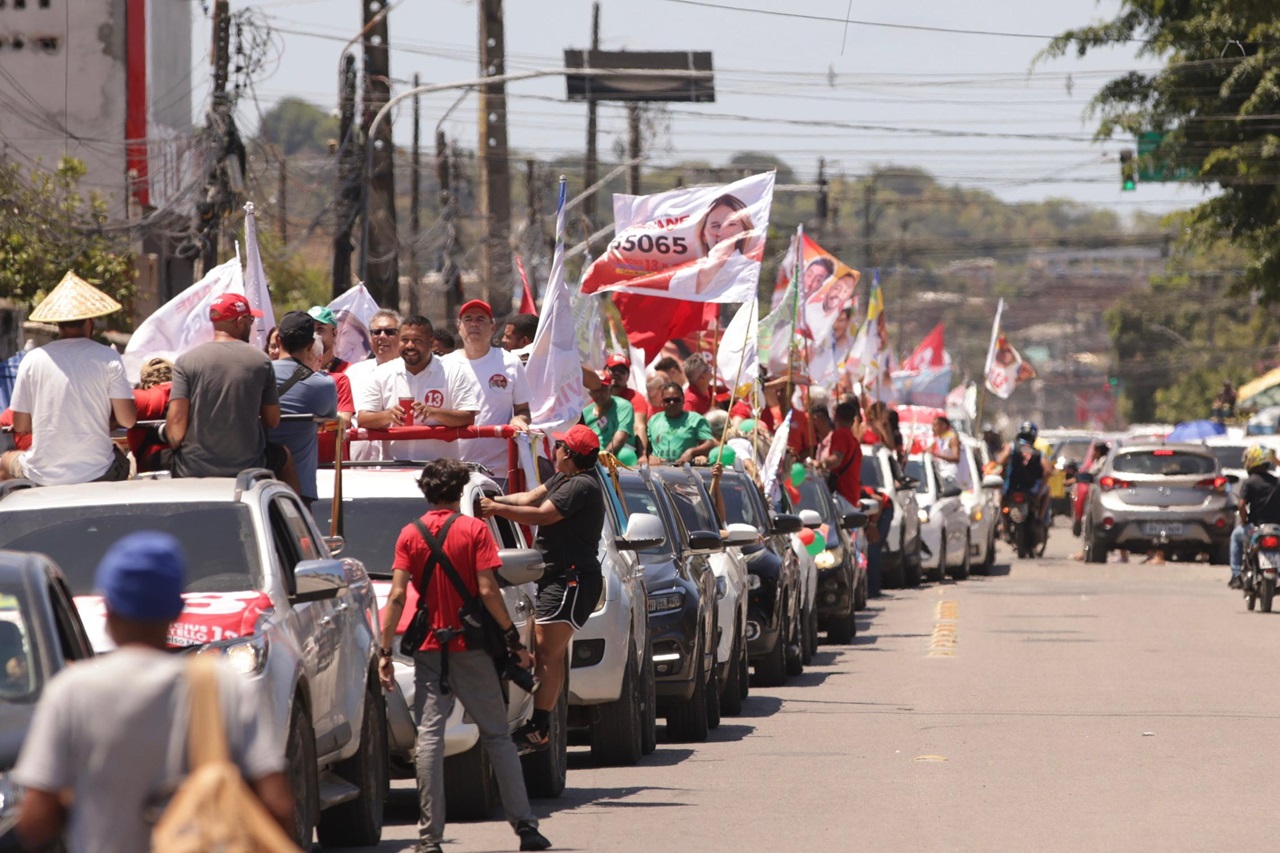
{"x": 702, "y": 244}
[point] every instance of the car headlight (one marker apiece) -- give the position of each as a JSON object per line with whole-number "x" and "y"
{"x": 248, "y": 657}
{"x": 10, "y": 797}
{"x": 722, "y": 587}
{"x": 753, "y": 581}
{"x": 976, "y": 513}
{"x": 827, "y": 559}
{"x": 923, "y": 515}
{"x": 666, "y": 602}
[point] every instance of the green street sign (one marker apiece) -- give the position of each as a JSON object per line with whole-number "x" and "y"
{"x": 1154, "y": 167}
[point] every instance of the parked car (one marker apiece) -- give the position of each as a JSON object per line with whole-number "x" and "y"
{"x": 944, "y": 522}
{"x": 682, "y": 613}
{"x": 40, "y": 634}
{"x": 1093, "y": 459}
{"x": 265, "y": 590}
{"x": 981, "y": 500}
{"x": 902, "y": 554}
{"x": 773, "y": 624}
{"x": 377, "y": 502}
{"x": 1154, "y": 496}
{"x": 1229, "y": 451}
{"x": 841, "y": 583}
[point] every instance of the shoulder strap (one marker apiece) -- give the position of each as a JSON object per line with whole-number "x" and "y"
{"x": 442, "y": 559}
{"x": 206, "y": 737}
{"x": 300, "y": 373}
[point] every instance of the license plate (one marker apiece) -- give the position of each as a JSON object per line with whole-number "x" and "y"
{"x": 1269, "y": 560}
{"x": 1156, "y": 528}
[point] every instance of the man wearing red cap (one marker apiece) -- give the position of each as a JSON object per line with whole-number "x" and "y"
{"x": 223, "y": 399}
{"x": 568, "y": 510}
{"x": 619, "y": 367}
{"x": 497, "y": 379}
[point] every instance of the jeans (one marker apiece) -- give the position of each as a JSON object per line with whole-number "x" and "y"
{"x": 1237, "y": 549}
{"x": 473, "y": 681}
{"x": 876, "y": 552}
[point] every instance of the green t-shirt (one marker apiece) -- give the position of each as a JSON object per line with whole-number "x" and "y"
{"x": 620, "y": 416}
{"x": 671, "y": 437}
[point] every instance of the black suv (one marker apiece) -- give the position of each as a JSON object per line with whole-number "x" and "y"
{"x": 842, "y": 586}
{"x": 682, "y": 611}
{"x": 774, "y": 627}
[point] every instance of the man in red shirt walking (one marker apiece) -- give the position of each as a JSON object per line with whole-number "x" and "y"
{"x": 466, "y": 545}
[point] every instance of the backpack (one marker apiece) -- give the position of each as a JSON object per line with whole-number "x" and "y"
{"x": 213, "y": 808}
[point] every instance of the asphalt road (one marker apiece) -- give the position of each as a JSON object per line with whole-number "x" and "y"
{"x": 1054, "y": 706}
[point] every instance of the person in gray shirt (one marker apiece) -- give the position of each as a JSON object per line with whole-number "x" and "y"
{"x": 224, "y": 394}
{"x": 112, "y": 731}
{"x": 303, "y": 391}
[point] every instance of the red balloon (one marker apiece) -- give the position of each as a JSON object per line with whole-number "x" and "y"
{"x": 806, "y": 535}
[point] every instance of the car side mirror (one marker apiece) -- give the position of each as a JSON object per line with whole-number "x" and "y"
{"x": 870, "y": 506}
{"x": 853, "y": 520}
{"x": 335, "y": 544}
{"x": 1084, "y": 477}
{"x": 995, "y": 481}
{"x": 1231, "y": 478}
{"x": 705, "y": 542}
{"x": 810, "y": 519}
{"x": 521, "y": 565}
{"x": 318, "y": 580}
{"x": 786, "y": 523}
{"x": 644, "y": 530}
{"x": 951, "y": 492}
{"x": 741, "y": 534}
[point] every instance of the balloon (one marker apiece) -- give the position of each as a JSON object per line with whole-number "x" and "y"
{"x": 747, "y": 427}
{"x": 627, "y": 456}
{"x": 818, "y": 545}
{"x": 725, "y": 456}
{"x": 807, "y": 536}
{"x": 797, "y": 473}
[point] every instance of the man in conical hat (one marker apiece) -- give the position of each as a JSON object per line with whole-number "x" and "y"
{"x": 66, "y": 394}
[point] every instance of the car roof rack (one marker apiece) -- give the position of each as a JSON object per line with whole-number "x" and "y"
{"x": 9, "y": 486}
{"x": 250, "y": 477}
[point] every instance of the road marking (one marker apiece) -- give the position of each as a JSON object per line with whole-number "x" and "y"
{"x": 932, "y": 758}
{"x": 942, "y": 643}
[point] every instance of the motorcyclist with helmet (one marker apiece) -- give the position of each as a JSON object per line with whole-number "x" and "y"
{"x": 1028, "y": 471}
{"x": 1259, "y": 503}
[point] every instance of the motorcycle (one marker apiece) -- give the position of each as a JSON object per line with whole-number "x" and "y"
{"x": 1261, "y": 564}
{"x": 1023, "y": 527}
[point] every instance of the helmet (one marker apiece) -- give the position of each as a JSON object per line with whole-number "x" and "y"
{"x": 1028, "y": 431}
{"x": 1258, "y": 456}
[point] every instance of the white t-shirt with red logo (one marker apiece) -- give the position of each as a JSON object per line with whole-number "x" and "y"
{"x": 438, "y": 384}
{"x": 498, "y": 380}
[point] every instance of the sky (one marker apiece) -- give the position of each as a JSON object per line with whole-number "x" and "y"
{"x": 895, "y": 94}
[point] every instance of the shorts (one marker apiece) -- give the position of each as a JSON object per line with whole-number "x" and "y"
{"x": 560, "y": 601}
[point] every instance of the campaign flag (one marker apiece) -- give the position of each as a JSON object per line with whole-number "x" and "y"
{"x": 931, "y": 354}
{"x": 826, "y": 288}
{"x": 588, "y": 319}
{"x": 777, "y": 334}
{"x": 183, "y": 322}
{"x": 527, "y": 304}
{"x": 876, "y": 357}
{"x": 962, "y": 402}
{"x": 554, "y": 369}
{"x": 354, "y": 312}
{"x": 1005, "y": 369}
{"x": 738, "y": 358}
{"x": 255, "y": 281}
{"x": 702, "y": 244}
{"x": 925, "y": 376}
{"x": 773, "y": 459}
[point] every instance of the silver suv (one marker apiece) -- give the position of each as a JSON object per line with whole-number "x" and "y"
{"x": 263, "y": 589}
{"x": 1152, "y": 496}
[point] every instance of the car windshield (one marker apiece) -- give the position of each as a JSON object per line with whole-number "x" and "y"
{"x": 915, "y": 470}
{"x": 21, "y": 675}
{"x": 371, "y": 526}
{"x": 639, "y": 499}
{"x": 1228, "y": 455}
{"x": 811, "y": 497}
{"x": 871, "y": 471}
{"x": 1162, "y": 462}
{"x": 739, "y": 506}
{"x": 1071, "y": 449}
{"x": 691, "y": 503}
{"x": 218, "y": 539}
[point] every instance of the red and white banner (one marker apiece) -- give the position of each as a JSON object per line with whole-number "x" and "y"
{"x": 1005, "y": 368}
{"x": 702, "y": 245}
{"x": 827, "y": 286}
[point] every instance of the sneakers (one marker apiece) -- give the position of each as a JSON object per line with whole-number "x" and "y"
{"x": 1235, "y": 582}
{"x": 428, "y": 847}
{"x": 530, "y": 838}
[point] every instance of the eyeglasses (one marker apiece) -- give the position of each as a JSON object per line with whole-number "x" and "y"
{"x": 560, "y": 445}
{"x": 669, "y": 400}
{"x": 384, "y": 331}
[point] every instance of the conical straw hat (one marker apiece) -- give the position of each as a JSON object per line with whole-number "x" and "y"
{"x": 72, "y": 300}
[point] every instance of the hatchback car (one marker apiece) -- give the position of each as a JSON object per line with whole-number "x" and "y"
{"x": 944, "y": 521}
{"x": 842, "y": 577}
{"x": 902, "y": 552}
{"x": 1154, "y": 496}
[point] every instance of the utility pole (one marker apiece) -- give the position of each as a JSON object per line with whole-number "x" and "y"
{"x": 415, "y": 213}
{"x": 382, "y": 269}
{"x": 589, "y": 167}
{"x": 349, "y": 160}
{"x": 822, "y": 197}
{"x": 633, "y": 148}
{"x": 869, "y": 221}
{"x": 450, "y": 274}
{"x": 282, "y": 198}
{"x": 495, "y": 172}
{"x": 533, "y": 225}
{"x": 210, "y": 209}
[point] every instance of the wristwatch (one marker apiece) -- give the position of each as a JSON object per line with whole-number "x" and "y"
{"x": 384, "y": 653}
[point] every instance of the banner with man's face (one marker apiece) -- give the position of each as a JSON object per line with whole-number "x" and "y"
{"x": 1007, "y": 369}
{"x": 827, "y": 286}
{"x": 702, "y": 244}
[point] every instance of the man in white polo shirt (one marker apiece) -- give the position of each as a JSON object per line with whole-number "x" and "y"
{"x": 497, "y": 379}
{"x": 439, "y": 395}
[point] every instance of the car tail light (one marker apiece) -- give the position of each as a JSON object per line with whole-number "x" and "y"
{"x": 1108, "y": 483}
{"x": 1019, "y": 497}
{"x": 1213, "y": 484}
{"x": 1269, "y": 543}
{"x": 1108, "y": 522}
{"x": 1162, "y": 453}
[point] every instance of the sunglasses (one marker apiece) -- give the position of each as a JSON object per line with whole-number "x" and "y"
{"x": 384, "y": 331}
{"x": 668, "y": 400}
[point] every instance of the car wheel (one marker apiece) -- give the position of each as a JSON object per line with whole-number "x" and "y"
{"x": 470, "y": 789}
{"x": 808, "y": 636}
{"x": 1095, "y": 550}
{"x": 860, "y": 592}
{"x": 688, "y": 722}
{"x": 649, "y": 719}
{"x": 893, "y": 568}
{"x": 617, "y": 736}
{"x": 546, "y": 771}
{"x": 961, "y": 572}
{"x": 936, "y": 575}
{"x": 744, "y": 668}
{"x": 795, "y": 654}
{"x": 1220, "y": 555}
{"x": 358, "y": 823}
{"x": 841, "y": 629}
{"x": 713, "y": 698}
{"x": 771, "y": 669}
{"x": 989, "y": 559}
{"x": 912, "y": 566}
{"x": 731, "y": 695}
{"x": 300, "y": 757}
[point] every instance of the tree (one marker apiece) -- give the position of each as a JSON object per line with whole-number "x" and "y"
{"x": 297, "y": 126}
{"x": 1214, "y": 101}
{"x": 49, "y": 227}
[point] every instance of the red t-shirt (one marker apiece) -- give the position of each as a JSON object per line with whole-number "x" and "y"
{"x": 798, "y": 439}
{"x": 849, "y": 483}
{"x": 21, "y": 440}
{"x": 696, "y": 402}
{"x": 345, "y": 404}
{"x": 150, "y": 403}
{"x": 469, "y": 546}
{"x": 638, "y": 401}
{"x": 741, "y": 410}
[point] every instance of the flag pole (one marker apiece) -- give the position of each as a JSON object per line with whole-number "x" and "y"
{"x": 737, "y": 380}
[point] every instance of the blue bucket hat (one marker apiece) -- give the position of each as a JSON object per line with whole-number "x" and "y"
{"x": 142, "y": 576}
